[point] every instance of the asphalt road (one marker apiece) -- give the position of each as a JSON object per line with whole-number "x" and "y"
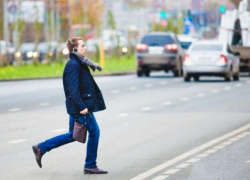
{"x": 153, "y": 128}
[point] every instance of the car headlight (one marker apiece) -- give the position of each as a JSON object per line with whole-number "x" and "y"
{"x": 50, "y": 53}
{"x": 35, "y": 54}
{"x": 29, "y": 54}
{"x": 17, "y": 54}
{"x": 65, "y": 51}
{"x": 124, "y": 49}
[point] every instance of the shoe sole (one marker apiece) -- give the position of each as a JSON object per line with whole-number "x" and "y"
{"x": 34, "y": 150}
{"x": 89, "y": 172}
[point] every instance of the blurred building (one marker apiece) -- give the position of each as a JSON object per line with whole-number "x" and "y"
{"x": 126, "y": 17}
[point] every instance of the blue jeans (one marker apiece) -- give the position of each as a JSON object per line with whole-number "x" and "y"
{"x": 92, "y": 144}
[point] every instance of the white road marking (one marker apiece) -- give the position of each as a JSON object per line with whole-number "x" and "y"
{"x": 215, "y": 91}
{"x": 115, "y": 91}
{"x": 190, "y": 153}
{"x": 132, "y": 88}
{"x": 167, "y": 103}
{"x": 177, "y": 80}
{"x": 193, "y": 160}
{"x": 58, "y": 130}
{"x": 211, "y": 151}
{"x": 247, "y": 133}
{"x": 227, "y": 88}
{"x": 238, "y": 85}
{"x": 219, "y": 147}
{"x": 122, "y": 115}
{"x": 161, "y": 177}
{"x": 201, "y": 95}
{"x": 248, "y": 161}
{"x": 234, "y": 139}
{"x": 202, "y": 155}
{"x": 146, "y": 109}
{"x": 241, "y": 136}
{"x": 44, "y": 104}
{"x": 184, "y": 99}
{"x": 226, "y": 143}
{"x": 14, "y": 109}
{"x": 149, "y": 85}
{"x": 183, "y": 165}
{"x": 17, "y": 141}
{"x": 171, "y": 171}
{"x": 163, "y": 82}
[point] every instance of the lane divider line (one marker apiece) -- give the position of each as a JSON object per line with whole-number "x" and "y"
{"x": 193, "y": 160}
{"x": 202, "y": 155}
{"x": 17, "y": 141}
{"x": 197, "y": 158}
{"x": 146, "y": 109}
{"x": 15, "y": 109}
{"x": 58, "y": 130}
{"x": 167, "y": 103}
{"x": 123, "y": 115}
{"x": 190, "y": 153}
{"x": 183, "y": 165}
{"x": 44, "y": 104}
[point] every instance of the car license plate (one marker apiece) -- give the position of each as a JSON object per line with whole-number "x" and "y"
{"x": 155, "y": 50}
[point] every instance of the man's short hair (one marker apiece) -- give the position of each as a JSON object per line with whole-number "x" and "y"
{"x": 73, "y": 42}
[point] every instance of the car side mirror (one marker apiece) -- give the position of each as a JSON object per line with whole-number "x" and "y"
{"x": 236, "y": 53}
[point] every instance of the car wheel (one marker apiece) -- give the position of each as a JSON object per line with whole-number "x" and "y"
{"x": 166, "y": 71}
{"x": 139, "y": 73}
{"x": 228, "y": 76}
{"x": 176, "y": 73}
{"x": 196, "y": 78}
{"x": 236, "y": 77}
{"x": 147, "y": 73}
{"x": 187, "y": 78}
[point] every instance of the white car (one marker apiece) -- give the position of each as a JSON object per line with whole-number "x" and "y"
{"x": 211, "y": 58}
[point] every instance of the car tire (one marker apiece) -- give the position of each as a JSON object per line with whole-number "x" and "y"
{"x": 228, "y": 76}
{"x": 236, "y": 77}
{"x": 147, "y": 73}
{"x": 176, "y": 73}
{"x": 196, "y": 78}
{"x": 187, "y": 78}
{"x": 139, "y": 73}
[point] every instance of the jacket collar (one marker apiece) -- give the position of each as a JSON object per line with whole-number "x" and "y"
{"x": 73, "y": 56}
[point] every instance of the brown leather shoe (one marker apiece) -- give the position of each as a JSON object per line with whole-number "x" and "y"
{"x": 94, "y": 171}
{"x": 38, "y": 155}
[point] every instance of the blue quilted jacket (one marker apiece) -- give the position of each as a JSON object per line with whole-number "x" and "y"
{"x": 81, "y": 90}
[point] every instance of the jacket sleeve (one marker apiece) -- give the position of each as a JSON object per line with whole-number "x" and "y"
{"x": 72, "y": 79}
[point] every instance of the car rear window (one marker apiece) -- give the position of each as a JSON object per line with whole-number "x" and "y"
{"x": 207, "y": 47}
{"x": 157, "y": 40}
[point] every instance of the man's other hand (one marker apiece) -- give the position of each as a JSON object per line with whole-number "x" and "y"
{"x": 85, "y": 111}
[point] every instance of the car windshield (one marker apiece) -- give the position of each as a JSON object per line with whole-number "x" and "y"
{"x": 207, "y": 47}
{"x": 157, "y": 40}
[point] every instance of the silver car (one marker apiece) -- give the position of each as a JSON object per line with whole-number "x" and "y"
{"x": 159, "y": 51}
{"x": 210, "y": 58}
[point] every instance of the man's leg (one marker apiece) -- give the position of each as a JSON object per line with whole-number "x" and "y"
{"x": 60, "y": 140}
{"x": 93, "y": 139}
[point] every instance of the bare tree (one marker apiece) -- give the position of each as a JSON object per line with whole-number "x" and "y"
{"x": 236, "y": 2}
{"x": 38, "y": 31}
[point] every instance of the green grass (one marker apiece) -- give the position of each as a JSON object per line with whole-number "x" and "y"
{"x": 112, "y": 65}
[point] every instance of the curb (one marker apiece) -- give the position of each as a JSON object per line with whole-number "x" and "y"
{"x": 59, "y": 77}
